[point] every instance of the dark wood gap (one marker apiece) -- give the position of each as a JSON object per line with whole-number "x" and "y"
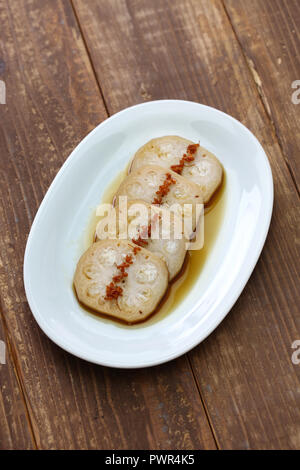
{"x": 205, "y": 407}
{"x": 90, "y": 58}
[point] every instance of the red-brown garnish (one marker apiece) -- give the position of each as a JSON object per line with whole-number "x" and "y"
{"x": 192, "y": 148}
{"x": 187, "y": 158}
{"x": 164, "y": 189}
{"x": 139, "y": 241}
{"x": 113, "y": 291}
{"x": 145, "y": 232}
{"x": 135, "y": 249}
{"x": 119, "y": 277}
{"x": 128, "y": 261}
{"x": 178, "y": 168}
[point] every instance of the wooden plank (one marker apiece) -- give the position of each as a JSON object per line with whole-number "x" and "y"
{"x": 187, "y": 49}
{"x": 15, "y": 433}
{"x": 52, "y": 101}
{"x": 274, "y": 60}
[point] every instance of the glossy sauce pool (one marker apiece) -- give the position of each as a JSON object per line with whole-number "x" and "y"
{"x": 194, "y": 261}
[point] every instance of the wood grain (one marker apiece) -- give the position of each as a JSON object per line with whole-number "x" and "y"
{"x": 274, "y": 60}
{"x": 52, "y": 101}
{"x": 15, "y": 432}
{"x": 187, "y": 49}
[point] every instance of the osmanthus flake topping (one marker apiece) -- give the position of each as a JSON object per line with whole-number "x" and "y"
{"x": 186, "y": 158}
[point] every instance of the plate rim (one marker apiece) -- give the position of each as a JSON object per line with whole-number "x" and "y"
{"x": 230, "y": 297}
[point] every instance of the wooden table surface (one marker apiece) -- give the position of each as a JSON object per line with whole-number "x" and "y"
{"x": 67, "y": 66}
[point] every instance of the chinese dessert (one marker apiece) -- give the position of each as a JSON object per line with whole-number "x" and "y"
{"x": 121, "y": 279}
{"x": 126, "y": 276}
{"x": 185, "y": 158}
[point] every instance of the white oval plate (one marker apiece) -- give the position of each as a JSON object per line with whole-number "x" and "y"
{"x": 55, "y": 241}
